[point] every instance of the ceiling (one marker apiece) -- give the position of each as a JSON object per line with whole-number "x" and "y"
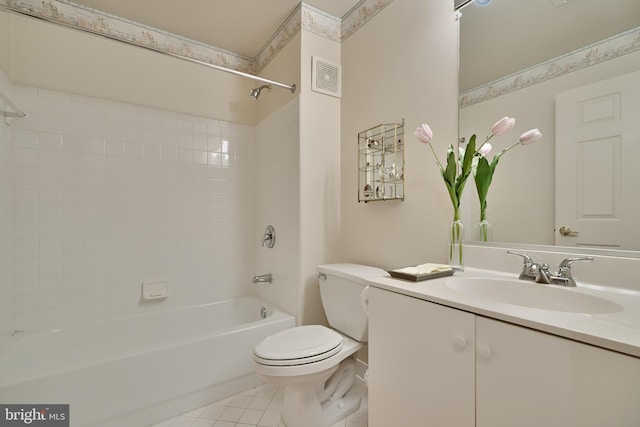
{"x": 240, "y": 26}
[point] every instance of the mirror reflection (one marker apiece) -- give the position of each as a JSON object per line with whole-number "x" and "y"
{"x": 540, "y": 62}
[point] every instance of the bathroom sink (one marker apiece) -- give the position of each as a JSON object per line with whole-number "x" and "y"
{"x": 530, "y": 294}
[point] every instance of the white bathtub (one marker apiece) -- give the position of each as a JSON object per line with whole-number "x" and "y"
{"x": 140, "y": 369}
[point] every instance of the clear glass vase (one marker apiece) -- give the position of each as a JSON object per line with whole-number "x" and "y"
{"x": 484, "y": 231}
{"x": 456, "y": 243}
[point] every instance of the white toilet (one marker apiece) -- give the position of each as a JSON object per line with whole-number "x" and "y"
{"x": 312, "y": 361}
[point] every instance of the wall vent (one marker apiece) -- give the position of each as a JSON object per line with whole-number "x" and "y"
{"x": 325, "y": 77}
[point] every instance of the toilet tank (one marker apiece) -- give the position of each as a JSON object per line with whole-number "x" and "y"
{"x": 340, "y": 289}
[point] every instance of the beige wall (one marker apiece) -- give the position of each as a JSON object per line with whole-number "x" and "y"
{"x": 523, "y": 187}
{"x": 52, "y": 57}
{"x": 319, "y": 176}
{"x": 401, "y": 64}
{"x": 7, "y": 208}
{"x": 5, "y": 42}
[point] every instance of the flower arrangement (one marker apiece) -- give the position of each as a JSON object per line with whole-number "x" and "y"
{"x": 458, "y": 168}
{"x": 455, "y": 175}
{"x": 464, "y": 161}
{"x": 483, "y": 170}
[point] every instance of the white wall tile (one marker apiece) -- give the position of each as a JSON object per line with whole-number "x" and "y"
{"x": 114, "y": 115}
{"x": 49, "y": 140}
{"x": 49, "y": 123}
{"x": 27, "y": 284}
{"x": 72, "y": 126}
{"x": 24, "y": 138}
{"x": 108, "y": 195}
{"x": 115, "y": 132}
{"x": 26, "y": 157}
{"x": 26, "y": 98}
{"x": 51, "y": 106}
{"x": 49, "y": 159}
{"x": 50, "y": 176}
{"x": 73, "y": 143}
{"x": 72, "y": 109}
{"x": 26, "y": 175}
{"x": 133, "y": 134}
{"x": 94, "y": 113}
{"x": 94, "y": 145}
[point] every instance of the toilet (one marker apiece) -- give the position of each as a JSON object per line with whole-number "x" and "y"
{"x": 316, "y": 364}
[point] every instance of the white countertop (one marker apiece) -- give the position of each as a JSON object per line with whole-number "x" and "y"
{"x": 618, "y": 331}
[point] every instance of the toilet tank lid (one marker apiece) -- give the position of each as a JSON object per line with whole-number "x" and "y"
{"x": 356, "y": 272}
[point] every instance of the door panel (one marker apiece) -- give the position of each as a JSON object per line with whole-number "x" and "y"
{"x": 597, "y": 175}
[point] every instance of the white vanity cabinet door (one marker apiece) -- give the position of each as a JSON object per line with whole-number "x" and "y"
{"x": 421, "y": 363}
{"x": 529, "y": 378}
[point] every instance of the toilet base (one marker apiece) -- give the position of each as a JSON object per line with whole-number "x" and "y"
{"x": 332, "y": 412}
{"x": 318, "y": 415}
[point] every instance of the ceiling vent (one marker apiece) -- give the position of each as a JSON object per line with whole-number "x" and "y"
{"x": 325, "y": 77}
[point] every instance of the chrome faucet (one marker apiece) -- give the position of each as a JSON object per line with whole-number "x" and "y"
{"x": 540, "y": 273}
{"x": 563, "y": 276}
{"x": 529, "y": 268}
{"x": 262, "y": 278}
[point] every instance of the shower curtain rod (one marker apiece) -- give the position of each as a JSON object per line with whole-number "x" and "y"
{"x": 292, "y": 87}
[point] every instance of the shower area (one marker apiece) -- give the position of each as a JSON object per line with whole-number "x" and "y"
{"x": 133, "y": 167}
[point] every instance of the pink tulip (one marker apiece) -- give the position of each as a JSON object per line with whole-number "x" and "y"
{"x": 530, "y": 136}
{"x": 503, "y": 126}
{"x": 485, "y": 149}
{"x": 424, "y": 134}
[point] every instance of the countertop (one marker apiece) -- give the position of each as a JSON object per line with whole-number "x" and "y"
{"x": 618, "y": 331}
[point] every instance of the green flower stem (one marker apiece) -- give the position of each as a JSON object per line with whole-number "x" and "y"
{"x": 510, "y": 147}
{"x": 436, "y": 157}
{"x": 485, "y": 141}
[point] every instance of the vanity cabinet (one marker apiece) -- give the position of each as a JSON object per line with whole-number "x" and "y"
{"x": 421, "y": 366}
{"x": 431, "y": 365}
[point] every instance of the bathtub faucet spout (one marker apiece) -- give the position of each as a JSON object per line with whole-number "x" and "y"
{"x": 262, "y": 278}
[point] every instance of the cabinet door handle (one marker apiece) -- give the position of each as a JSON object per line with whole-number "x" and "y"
{"x": 484, "y": 353}
{"x": 459, "y": 343}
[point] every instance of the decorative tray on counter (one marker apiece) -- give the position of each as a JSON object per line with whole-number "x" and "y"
{"x": 422, "y": 272}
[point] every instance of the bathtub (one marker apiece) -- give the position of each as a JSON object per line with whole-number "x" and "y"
{"x": 140, "y": 369}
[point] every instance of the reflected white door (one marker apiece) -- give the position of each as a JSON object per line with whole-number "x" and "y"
{"x": 598, "y": 164}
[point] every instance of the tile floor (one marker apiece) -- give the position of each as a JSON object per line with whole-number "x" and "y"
{"x": 258, "y": 407}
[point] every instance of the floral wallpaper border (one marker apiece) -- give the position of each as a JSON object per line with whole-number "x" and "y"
{"x": 612, "y": 47}
{"x": 80, "y": 17}
{"x": 77, "y": 16}
{"x": 360, "y": 14}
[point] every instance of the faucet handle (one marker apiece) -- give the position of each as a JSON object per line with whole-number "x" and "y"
{"x": 529, "y": 268}
{"x": 526, "y": 258}
{"x": 564, "y": 269}
{"x": 269, "y": 237}
{"x": 566, "y": 263}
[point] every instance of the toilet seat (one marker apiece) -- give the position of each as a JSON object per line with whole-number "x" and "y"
{"x": 298, "y": 346}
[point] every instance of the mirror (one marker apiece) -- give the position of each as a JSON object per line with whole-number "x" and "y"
{"x": 515, "y": 55}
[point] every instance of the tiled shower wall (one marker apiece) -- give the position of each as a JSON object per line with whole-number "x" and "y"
{"x": 108, "y": 195}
